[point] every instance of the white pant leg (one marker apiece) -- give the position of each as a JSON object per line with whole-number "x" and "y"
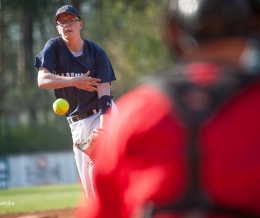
{"x": 80, "y": 130}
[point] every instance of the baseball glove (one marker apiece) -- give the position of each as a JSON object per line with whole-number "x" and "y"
{"x": 90, "y": 145}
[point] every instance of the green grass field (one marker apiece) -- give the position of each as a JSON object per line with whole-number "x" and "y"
{"x": 39, "y": 198}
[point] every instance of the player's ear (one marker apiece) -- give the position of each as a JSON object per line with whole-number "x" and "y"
{"x": 81, "y": 24}
{"x": 57, "y": 28}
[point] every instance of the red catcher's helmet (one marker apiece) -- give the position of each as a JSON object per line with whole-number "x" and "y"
{"x": 202, "y": 20}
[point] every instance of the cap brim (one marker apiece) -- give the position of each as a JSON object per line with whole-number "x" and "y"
{"x": 65, "y": 12}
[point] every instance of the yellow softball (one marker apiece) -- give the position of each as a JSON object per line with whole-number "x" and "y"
{"x": 60, "y": 106}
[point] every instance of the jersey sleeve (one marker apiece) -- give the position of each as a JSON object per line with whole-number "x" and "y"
{"x": 104, "y": 69}
{"x": 47, "y": 57}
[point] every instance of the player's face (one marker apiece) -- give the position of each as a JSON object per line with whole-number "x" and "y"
{"x": 69, "y": 31}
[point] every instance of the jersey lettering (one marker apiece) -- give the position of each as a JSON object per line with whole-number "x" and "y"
{"x": 71, "y": 74}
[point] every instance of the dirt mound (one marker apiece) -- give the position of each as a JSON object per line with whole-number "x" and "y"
{"x": 62, "y": 213}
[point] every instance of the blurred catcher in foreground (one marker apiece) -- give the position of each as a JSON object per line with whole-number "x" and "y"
{"x": 189, "y": 145}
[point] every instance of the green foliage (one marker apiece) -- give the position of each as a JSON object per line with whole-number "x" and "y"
{"x": 53, "y": 135}
{"x": 131, "y": 37}
{"x": 40, "y": 198}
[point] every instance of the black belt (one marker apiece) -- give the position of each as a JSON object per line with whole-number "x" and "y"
{"x": 81, "y": 116}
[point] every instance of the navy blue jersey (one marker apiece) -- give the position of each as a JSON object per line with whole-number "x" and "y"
{"x": 57, "y": 59}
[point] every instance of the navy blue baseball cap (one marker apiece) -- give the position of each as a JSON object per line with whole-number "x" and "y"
{"x": 66, "y": 9}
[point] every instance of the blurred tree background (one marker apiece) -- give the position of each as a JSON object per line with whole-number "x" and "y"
{"x": 128, "y": 30}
